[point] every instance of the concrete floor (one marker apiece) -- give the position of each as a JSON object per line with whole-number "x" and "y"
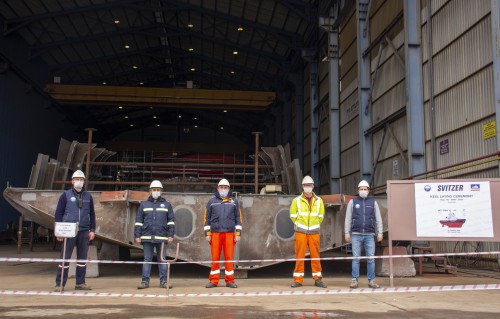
{"x": 335, "y": 301}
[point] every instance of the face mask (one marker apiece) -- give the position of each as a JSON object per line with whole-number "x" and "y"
{"x": 308, "y": 190}
{"x": 155, "y": 195}
{"x": 223, "y": 193}
{"x": 78, "y": 185}
{"x": 363, "y": 194}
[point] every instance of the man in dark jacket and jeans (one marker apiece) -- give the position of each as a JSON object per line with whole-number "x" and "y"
{"x": 222, "y": 220}
{"x": 154, "y": 225}
{"x": 76, "y": 206}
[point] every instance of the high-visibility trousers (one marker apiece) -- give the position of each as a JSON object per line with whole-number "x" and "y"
{"x": 302, "y": 241}
{"x": 222, "y": 241}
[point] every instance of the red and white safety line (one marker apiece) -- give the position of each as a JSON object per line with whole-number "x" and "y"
{"x": 263, "y": 293}
{"x": 58, "y": 260}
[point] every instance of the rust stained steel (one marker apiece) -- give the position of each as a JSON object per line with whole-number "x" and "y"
{"x": 267, "y": 229}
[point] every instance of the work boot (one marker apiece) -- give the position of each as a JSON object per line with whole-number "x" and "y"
{"x": 163, "y": 284}
{"x": 82, "y": 287}
{"x": 319, "y": 283}
{"x": 372, "y": 284}
{"x": 232, "y": 285}
{"x": 58, "y": 289}
{"x": 296, "y": 284}
{"x": 354, "y": 284}
{"x": 210, "y": 285}
{"x": 143, "y": 285}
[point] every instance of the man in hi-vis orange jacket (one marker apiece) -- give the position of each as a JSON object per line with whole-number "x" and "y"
{"x": 307, "y": 212}
{"x": 222, "y": 222}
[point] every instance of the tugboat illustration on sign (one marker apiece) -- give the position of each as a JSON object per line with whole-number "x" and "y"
{"x": 451, "y": 221}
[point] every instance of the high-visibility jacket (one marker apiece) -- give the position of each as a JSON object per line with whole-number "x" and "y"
{"x": 154, "y": 221}
{"x": 307, "y": 217}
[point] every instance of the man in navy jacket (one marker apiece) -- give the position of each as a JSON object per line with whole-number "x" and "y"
{"x": 76, "y": 206}
{"x": 154, "y": 225}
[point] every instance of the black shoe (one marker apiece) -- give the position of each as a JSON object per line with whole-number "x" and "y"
{"x": 319, "y": 283}
{"x": 210, "y": 285}
{"x": 82, "y": 287}
{"x": 232, "y": 285}
{"x": 58, "y": 289}
{"x": 296, "y": 284}
{"x": 143, "y": 285}
{"x": 163, "y": 284}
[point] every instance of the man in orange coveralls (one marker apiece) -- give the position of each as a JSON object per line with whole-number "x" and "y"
{"x": 306, "y": 212}
{"x": 222, "y": 220}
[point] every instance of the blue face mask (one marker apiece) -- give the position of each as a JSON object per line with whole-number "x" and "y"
{"x": 223, "y": 193}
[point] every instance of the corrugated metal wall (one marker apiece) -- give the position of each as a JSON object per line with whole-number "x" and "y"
{"x": 463, "y": 89}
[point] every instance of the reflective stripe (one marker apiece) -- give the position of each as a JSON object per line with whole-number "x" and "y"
{"x": 294, "y": 215}
{"x": 298, "y": 274}
{"x": 238, "y": 227}
{"x": 81, "y": 265}
{"x": 206, "y": 228}
{"x": 162, "y": 209}
{"x": 63, "y": 267}
{"x": 158, "y": 237}
{"x": 215, "y": 272}
{"x": 305, "y": 227}
{"x": 145, "y": 237}
{"x": 138, "y": 224}
{"x": 147, "y": 209}
{"x": 230, "y": 273}
{"x": 317, "y": 274}
{"x": 314, "y": 214}
{"x": 303, "y": 214}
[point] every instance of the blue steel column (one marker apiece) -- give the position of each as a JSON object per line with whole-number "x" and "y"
{"x": 365, "y": 121}
{"x": 309, "y": 55}
{"x": 298, "y": 83}
{"x": 495, "y": 25}
{"x": 333, "y": 100}
{"x": 414, "y": 88}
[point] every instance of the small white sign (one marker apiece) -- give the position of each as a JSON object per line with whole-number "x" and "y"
{"x": 66, "y": 230}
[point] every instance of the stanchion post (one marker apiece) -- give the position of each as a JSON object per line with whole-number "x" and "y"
{"x": 168, "y": 262}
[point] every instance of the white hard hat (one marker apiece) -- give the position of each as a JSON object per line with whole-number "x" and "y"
{"x": 223, "y": 182}
{"x": 307, "y": 180}
{"x": 78, "y": 174}
{"x": 156, "y": 184}
{"x": 363, "y": 183}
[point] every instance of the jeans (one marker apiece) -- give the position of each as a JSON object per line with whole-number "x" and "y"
{"x": 81, "y": 241}
{"x": 148, "y": 257}
{"x": 368, "y": 242}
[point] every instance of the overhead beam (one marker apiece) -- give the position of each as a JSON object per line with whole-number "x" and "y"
{"x": 160, "y": 97}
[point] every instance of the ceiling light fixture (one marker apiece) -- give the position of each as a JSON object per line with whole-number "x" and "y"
{"x": 104, "y": 82}
{"x": 126, "y": 46}
{"x": 116, "y": 21}
{"x": 235, "y": 52}
{"x": 190, "y": 25}
{"x": 134, "y": 66}
{"x": 190, "y": 49}
{"x": 240, "y": 28}
{"x": 193, "y": 69}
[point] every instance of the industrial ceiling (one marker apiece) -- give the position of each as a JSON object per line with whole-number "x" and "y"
{"x": 212, "y": 46}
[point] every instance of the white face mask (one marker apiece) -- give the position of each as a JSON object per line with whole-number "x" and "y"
{"x": 156, "y": 195}
{"x": 308, "y": 190}
{"x": 223, "y": 193}
{"x": 78, "y": 185}
{"x": 363, "y": 194}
